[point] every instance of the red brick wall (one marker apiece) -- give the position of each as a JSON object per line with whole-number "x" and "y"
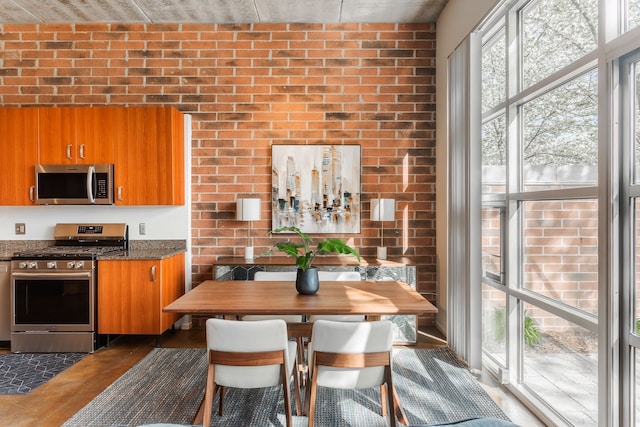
{"x": 251, "y": 86}
{"x": 560, "y": 256}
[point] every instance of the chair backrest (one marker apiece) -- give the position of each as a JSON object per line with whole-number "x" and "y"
{"x": 274, "y": 276}
{"x": 339, "y": 275}
{"x": 350, "y": 338}
{"x": 243, "y": 337}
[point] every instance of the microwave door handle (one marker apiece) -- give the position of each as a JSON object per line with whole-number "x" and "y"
{"x": 91, "y": 172}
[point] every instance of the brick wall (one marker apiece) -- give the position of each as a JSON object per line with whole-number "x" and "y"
{"x": 560, "y": 256}
{"x": 251, "y": 86}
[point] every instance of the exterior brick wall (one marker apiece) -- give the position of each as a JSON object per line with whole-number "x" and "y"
{"x": 561, "y": 256}
{"x": 250, "y": 86}
{"x": 560, "y": 250}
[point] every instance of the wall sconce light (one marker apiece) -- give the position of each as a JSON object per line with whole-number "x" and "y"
{"x": 248, "y": 210}
{"x": 382, "y": 210}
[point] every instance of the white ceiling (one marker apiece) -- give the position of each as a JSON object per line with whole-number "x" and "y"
{"x": 220, "y": 11}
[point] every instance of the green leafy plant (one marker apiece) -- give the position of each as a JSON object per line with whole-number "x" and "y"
{"x": 532, "y": 334}
{"x": 499, "y": 322}
{"x": 303, "y": 253}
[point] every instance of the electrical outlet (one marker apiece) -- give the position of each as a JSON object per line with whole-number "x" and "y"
{"x": 142, "y": 228}
{"x": 20, "y": 228}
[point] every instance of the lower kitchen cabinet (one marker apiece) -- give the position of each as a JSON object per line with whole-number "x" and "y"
{"x": 132, "y": 293}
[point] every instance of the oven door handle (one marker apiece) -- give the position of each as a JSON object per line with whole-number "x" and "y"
{"x": 51, "y": 275}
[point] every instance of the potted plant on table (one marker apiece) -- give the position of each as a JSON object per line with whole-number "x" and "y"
{"x": 307, "y": 276}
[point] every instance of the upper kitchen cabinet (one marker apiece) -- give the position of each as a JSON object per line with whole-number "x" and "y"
{"x": 150, "y": 165}
{"x": 145, "y": 145}
{"x": 80, "y": 135}
{"x": 19, "y": 147}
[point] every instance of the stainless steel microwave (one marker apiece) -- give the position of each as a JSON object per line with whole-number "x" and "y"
{"x": 74, "y": 184}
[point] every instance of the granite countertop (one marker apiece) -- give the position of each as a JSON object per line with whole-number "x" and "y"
{"x": 138, "y": 249}
{"x": 143, "y": 254}
{"x": 8, "y": 247}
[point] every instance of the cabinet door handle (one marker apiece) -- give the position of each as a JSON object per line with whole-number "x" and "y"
{"x": 153, "y": 273}
{"x": 82, "y": 151}
{"x": 69, "y": 151}
{"x": 120, "y": 193}
{"x": 32, "y": 191}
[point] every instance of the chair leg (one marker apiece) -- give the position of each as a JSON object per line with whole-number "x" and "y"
{"x": 287, "y": 395}
{"x": 312, "y": 400}
{"x": 296, "y": 390}
{"x": 209, "y": 394}
{"x": 402, "y": 417}
{"x": 221, "y": 401}
{"x": 391, "y": 396}
{"x": 307, "y": 396}
{"x": 301, "y": 361}
{"x": 383, "y": 399}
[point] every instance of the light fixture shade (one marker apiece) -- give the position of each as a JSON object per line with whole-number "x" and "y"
{"x": 248, "y": 209}
{"x": 383, "y": 209}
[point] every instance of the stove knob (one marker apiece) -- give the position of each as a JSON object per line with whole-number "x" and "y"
{"x": 51, "y": 264}
{"x": 79, "y": 265}
{"x": 22, "y": 265}
{"x": 32, "y": 265}
{"x": 70, "y": 264}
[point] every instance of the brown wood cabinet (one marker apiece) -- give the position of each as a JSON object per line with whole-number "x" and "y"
{"x": 81, "y": 135}
{"x": 150, "y": 164}
{"x": 19, "y": 136}
{"x": 145, "y": 144}
{"x": 132, "y": 294}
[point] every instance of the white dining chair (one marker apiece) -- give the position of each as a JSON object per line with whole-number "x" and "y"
{"x": 351, "y": 355}
{"x": 250, "y": 355}
{"x": 338, "y": 276}
{"x": 275, "y": 276}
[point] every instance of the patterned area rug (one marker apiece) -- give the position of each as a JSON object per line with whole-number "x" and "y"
{"x": 21, "y": 373}
{"x": 168, "y": 384}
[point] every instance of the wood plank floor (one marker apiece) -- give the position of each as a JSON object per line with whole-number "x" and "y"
{"x": 53, "y": 403}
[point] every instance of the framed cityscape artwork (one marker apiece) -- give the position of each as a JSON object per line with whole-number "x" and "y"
{"x": 316, "y": 188}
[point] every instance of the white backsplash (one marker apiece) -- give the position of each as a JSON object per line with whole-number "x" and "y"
{"x": 170, "y": 222}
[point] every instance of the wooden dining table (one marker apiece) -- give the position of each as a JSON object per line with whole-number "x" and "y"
{"x": 235, "y": 298}
{"x": 240, "y": 297}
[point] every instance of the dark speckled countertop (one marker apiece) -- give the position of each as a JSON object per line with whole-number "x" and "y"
{"x": 143, "y": 254}
{"x": 138, "y": 249}
{"x": 8, "y": 247}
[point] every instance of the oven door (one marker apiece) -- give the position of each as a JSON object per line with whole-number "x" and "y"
{"x": 52, "y": 301}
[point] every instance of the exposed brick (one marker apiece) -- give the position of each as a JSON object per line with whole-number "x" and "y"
{"x": 249, "y": 86}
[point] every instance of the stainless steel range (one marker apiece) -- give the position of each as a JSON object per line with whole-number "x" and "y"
{"x": 53, "y": 290}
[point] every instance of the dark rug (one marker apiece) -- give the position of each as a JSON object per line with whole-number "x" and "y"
{"x": 168, "y": 384}
{"x": 21, "y": 373}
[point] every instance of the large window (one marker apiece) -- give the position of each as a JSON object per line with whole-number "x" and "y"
{"x": 560, "y": 136}
{"x": 541, "y": 287}
{"x": 494, "y": 304}
{"x": 633, "y": 14}
{"x": 560, "y": 365}
{"x": 630, "y": 83}
{"x": 555, "y": 33}
{"x": 560, "y": 251}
